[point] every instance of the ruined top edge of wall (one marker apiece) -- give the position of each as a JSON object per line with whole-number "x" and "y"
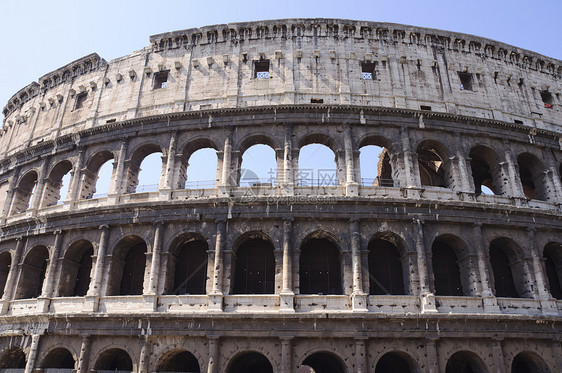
{"x": 76, "y": 68}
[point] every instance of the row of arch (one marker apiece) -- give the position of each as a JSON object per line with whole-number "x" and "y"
{"x": 381, "y": 163}
{"x": 322, "y": 263}
{"x": 116, "y": 359}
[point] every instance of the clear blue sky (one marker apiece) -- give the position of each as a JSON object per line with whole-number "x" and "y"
{"x": 40, "y": 36}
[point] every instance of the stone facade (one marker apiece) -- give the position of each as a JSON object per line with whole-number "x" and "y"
{"x": 417, "y": 271}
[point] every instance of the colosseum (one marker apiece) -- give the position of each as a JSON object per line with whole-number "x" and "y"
{"x": 449, "y": 260}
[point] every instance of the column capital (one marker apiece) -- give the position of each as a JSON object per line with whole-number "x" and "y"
{"x": 158, "y": 223}
{"x": 104, "y": 227}
{"x": 58, "y": 232}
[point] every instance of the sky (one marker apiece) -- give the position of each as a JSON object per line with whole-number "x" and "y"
{"x": 41, "y": 36}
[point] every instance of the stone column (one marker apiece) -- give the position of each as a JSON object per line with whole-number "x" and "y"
{"x": 516, "y": 187}
{"x": 426, "y": 297}
{"x": 73, "y": 192}
{"x": 40, "y": 187}
{"x": 43, "y": 301}
{"x": 556, "y": 182}
{"x": 92, "y": 297}
{"x": 286, "y": 354}
{"x": 557, "y": 351}
{"x": 155, "y": 265}
{"x": 7, "y": 208}
{"x": 432, "y": 359}
{"x": 144, "y": 361}
{"x": 488, "y": 297}
{"x": 287, "y": 294}
{"x": 464, "y": 178}
{"x": 548, "y": 304}
{"x": 358, "y": 296}
{"x": 361, "y": 365}
{"x": 32, "y": 355}
{"x": 288, "y": 159}
{"x": 410, "y": 178}
{"x": 10, "y": 286}
{"x": 166, "y": 190}
{"x": 213, "y": 361}
{"x": 84, "y": 358}
{"x": 215, "y": 298}
{"x": 497, "y": 350}
{"x": 226, "y": 181}
{"x": 351, "y": 186}
{"x": 117, "y": 184}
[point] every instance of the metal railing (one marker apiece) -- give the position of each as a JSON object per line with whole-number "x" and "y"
{"x": 377, "y": 182}
{"x": 146, "y": 188}
{"x": 201, "y": 184}
{"x": 323, "y": 182}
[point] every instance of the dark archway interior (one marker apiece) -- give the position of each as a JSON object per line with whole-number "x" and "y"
{"x": 59, "y": 358}
{"x": 553, "y": 264}
{"x": 114, "y": 359}
{"x": 503, "y": 277}
{"x": 180, "y": 361}
{"x": 392, "y": 363}
{"x": 446, "y": 270}
{"x": 190, "y": 268}
{"x": 526, "y": 363}
{"x": 320, "y": 271}
{"x": 385, "y": 269}
{"x": 133, "y": 270}
{"x": 33, "y": 273}
{"x": 83, "y": 276}
{"x": 255, "y": 267}
{"x": 323, "y": 362}
{"x": 481, "y": 174}
{"x": 431, "y": 168}
{"x": 463, "y": 362}
{"x": 5, "y": 263}
{"x": 13, "y": 358}
{"x": 249, "y": 363}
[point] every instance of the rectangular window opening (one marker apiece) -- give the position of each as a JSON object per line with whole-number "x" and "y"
{"x": 261, "y": 69}
{"x": 466, "y": 81}
{"x": 80, "y": 98}
{"x": 161, "y": 79}
{"x": 316, "y": 100}
{"x": 368, "y": 70}
{"x": 546, "y": 97}
{"x": 517, "y": 121}
{"x": 425, "y": 107}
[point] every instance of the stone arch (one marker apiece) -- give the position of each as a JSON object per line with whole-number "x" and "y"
{"x": 532, "y": 174}
{"x": 76, "y": 269}
{"x": 319, "y": 138}
{"x": 388, "y": 266}
{"x": 510, "y": 278}
{"x": 552, "y": 255}
{"x": 5, "y": 264}
{"x": 320, "y": 267}
{"x": 249, "y": 361}
{"x": 385, "y": 164}
{"x": 127, "y": 267}
{"x": 54, "y": 183}
{"x": 314, "y": 175}
{"x": 91, "y": 174}
{"x": 528, "y": 362}
{"x": 254, "y": 264}
{"x": 396, "y": 361}
{"x": 194, "y": 145}
{"x": 32, "y": 276}
{"x": 187, "y": 265}
{"x": 114, "y": 359}
{"x": 178, "y": 360}
{"x": 487, "y": 171}
{"x": 24, "y": 192}
{"x": 451, "y": 266}
{"x": 321, "y": 361}
{"x": 138, "y": 155}
{"x": 59, "y": 358}
{"x": 434, "y": 164}
{"x": 250, "y": 169}
{"x": 465, "y": 361}
{"x": 13, "y": 358}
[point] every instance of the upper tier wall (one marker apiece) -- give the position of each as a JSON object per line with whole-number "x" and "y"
{"x": 310, "y": 59}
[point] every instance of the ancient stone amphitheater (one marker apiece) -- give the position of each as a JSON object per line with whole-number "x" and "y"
{"x": 450, "y": 260}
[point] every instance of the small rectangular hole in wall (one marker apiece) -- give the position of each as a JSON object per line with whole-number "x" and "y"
{"x": 110, "y": 120}
{"x": 516, "y": 121}
{"x": 161, "y": 79}
{"x": 546, "y": 97}
{"x": 368, "y": 70}
{"x": 80, "y": 98}
{"x": 261, "y": 69}
{"x": 316, "y": 100}
{"x": 466, "y": 81}
{"x": 425, "y": 107}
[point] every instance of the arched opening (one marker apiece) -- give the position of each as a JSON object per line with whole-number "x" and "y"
{"x": 145, "y": 170}
{"x": 445, "y": 269}
{"x": 385, "y": 267}
{"x": 528, "y": 362}
{"x": 258, "y": 166}
{"x": 255, "y": 266}
{"x": 500, "y": 253}
{"x": 202, "y": 169}
{"x": 33, "y": 273}
{"x": 24, "y": 192}
{"x": 179, "y": 361}
{"x": 324, "y": 362}
{"x": 60, "y": 359}
{"x": 189, "y": 264}
{"x": 76, "y": 268}
{"x": 533, "y": 177}
{"x": 98, "y": 175}
{"x": 317, "y": 163}
{"x": 5, "y": 263}
{"x": 127, "y": 267}
{"x": 13, "y": 358}
{"x": 432, "y": 157}
{"x": 56, "y": 185}
{"x": 114, "y": 359}
{"x": 250, "y": 362}
{"x": 465, "y": 362}
{"x": 320, "y": 268}
{"x": 376, "y": 169}
{"x": 486, "y": 171}
{"x": 394, "y": 362}
{"x": 553, "y": 265}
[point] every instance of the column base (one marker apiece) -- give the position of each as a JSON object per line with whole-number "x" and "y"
{"x": 4, "y": 306}
{"x": 113, "y": 199}
{"x": 359, "y": 302}
{"x": 412, "y": 192}
{"x": 428, "y": 304}
{"x": 91, "y": 303}
{"x": 288, "y": 189}
{"x": 490, "y": 304}
{"x": 224, "y": 190}
{"x": 549, "y": 307}
{"x": 165, "y": 194}
{"x": 150, "y": 302}
{"x": 352, "y": 189}
{"x": 43, "y": 304}
{"x": 287, "y": 302}
{"x": 215, "y": 302}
